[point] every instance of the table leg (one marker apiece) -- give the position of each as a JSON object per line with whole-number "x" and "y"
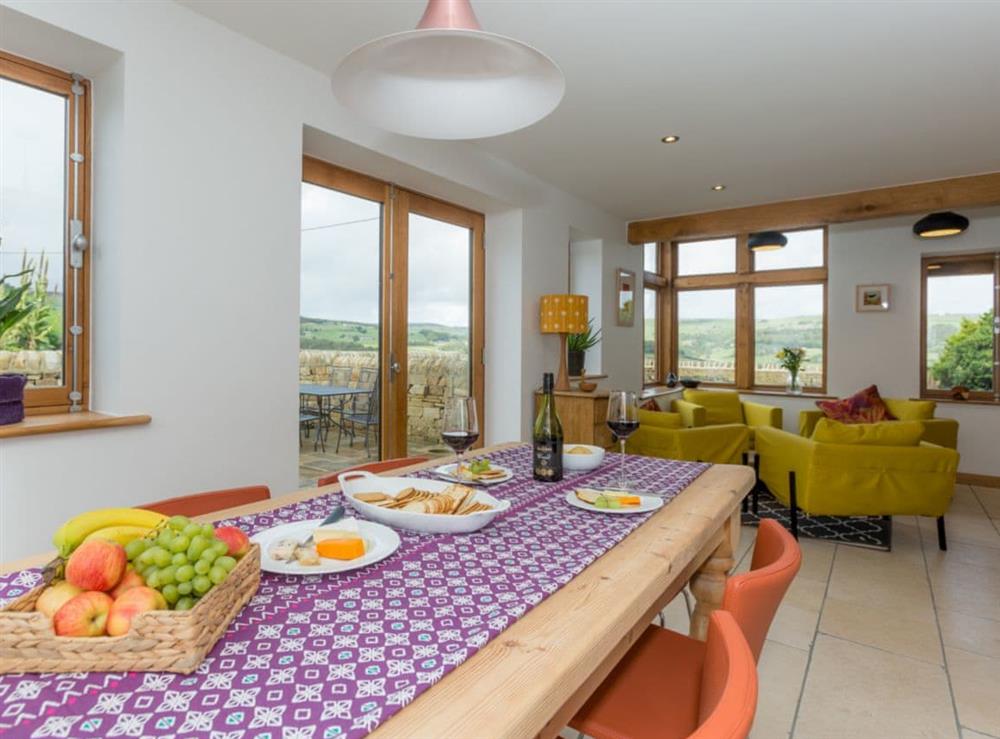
{"x": 709, "y": 583}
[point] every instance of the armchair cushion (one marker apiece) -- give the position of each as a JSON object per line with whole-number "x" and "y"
{"x": 660, "y": 419}
{"x": 758, "y": 414}
{"x": 910, "y": 410}
{"x": 865, "y": 406}
{"x": 721, "y": 406}
{"x": 692, "y": 414}
{"x": 890, "y": 433}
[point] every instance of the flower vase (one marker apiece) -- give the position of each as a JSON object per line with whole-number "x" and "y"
{"x": 792, "y": 385}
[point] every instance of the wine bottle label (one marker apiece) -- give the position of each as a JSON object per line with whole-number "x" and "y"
{"x": 547, "y": 460}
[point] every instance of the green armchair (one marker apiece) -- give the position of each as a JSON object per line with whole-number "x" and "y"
{"x": 716, "y": 407}
{"x": 663, "y": 434}
{"x": 939, "y": 431}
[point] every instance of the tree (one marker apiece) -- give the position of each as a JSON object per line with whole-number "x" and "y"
{"x": 967, "y": 357}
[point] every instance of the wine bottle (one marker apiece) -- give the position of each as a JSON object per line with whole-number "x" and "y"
{"x": 547, "y": 451}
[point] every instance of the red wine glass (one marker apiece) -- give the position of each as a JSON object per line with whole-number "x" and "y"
{"x": 623, "y": 420}
{"x": 460, "y": 429}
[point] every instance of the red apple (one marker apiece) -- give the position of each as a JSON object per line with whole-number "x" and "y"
{"x": 236, "y": 540}
{"x": 129, "y": 605}
{"x": 131, "y": 579}
{"x": 52, "y": 598}
{"x": 85, "y": 614}
{"x": 96, "y": 565}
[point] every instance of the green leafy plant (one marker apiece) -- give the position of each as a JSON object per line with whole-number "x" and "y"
{"x": 967, "y": 357}
{"x": 39, "y": 329}
{"x": 12, "y": 309}
{"x": 583, "y": 341}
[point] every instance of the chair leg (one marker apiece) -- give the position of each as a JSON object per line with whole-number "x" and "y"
{"x": 746, "y": 498}
{"x": 793, "y": 504}
{"x": 756, "y": 482}
{"x": 942, "y": 537}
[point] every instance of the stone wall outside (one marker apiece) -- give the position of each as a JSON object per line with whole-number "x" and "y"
{"x": 43, "y": 368}
{"x": 433, "y": 377}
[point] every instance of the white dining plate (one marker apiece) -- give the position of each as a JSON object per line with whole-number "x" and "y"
{"x": 647, "y": 503}
{"x": 380, "y": 542}
{"x": 447, "y": 472}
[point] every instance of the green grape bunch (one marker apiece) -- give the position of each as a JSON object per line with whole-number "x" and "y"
{"x": 183, "y": 560}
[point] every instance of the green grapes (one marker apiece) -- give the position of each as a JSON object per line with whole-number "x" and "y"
{"x": 152, "y": 578}
{"x": 177, "y": 523}
{"x": 184, "y": 573}
{"x": 201, "y": 585}
{"x": 179, "y": 559}
{"x": 202, "y": 567}
{"x": 198, "y": 545}
{"x": 209, "y": 555}
{"x": 170, "y": 594}
{"x": 217, "y": 574}
{"x": 135, "y": 547}
{"x": 191, "y": 529}
{"x": 208, "y": 531}
{"x": 179, "y": 543}
{"x": 168, "y": 575}
{"x": 227, "y": 563}
{"x": 220, "y": 547}
{"x": 185, "y": 588}
{"x": 185, "y": 603}
{"x": 161, "y": 557}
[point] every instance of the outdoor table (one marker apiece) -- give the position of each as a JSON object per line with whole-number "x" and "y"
{"x": 503, "y": 632}
{"x": 326, "y": 394}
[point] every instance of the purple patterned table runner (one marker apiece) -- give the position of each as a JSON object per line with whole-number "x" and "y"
{"x": 331, "y": 656}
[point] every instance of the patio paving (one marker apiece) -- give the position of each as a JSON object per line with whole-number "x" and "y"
{"x": 315, "y": 463}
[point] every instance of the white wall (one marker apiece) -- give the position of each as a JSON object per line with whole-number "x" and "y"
{"x": 586, "y": 265}
{"x": 198, "y": 145}
{"x": 884, "y": 348}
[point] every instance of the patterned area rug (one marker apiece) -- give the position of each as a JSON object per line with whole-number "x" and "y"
{"x": 872, "y": 532}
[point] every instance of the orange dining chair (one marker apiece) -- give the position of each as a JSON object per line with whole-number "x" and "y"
{"x": 374, "y": 467}
{"x": 708, "y": 691}
{"x": 651, "y": 692}
{"x": 199, "y": 504}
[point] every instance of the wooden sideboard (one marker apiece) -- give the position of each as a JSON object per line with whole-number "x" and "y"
{"x": 583, "y": 416}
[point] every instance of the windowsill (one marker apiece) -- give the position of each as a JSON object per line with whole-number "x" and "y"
{"x": 954, "y": 401}
{"x": 785, "y": 394}
{"x": 57, "y": 423}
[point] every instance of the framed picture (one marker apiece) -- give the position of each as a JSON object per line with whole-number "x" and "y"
{"x": 626, "y": 297}
{"x": 871, "y": 298}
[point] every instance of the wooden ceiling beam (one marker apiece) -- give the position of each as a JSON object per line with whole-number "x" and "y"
{"x": 921, "y": 197}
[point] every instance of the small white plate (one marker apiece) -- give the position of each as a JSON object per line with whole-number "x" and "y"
{"x": 447, "y": 472}
{"x": 380, "y": 541}
{"x": 646, "y": 503}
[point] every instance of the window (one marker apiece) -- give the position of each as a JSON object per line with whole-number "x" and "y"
{"x": 717, "y": 256}
{"x": 44, "y": 202}
{"x": 733, "y": 310}
{"x": 654, "y": 283}
{"x": 651, "y": 258}
{"x": 650, "y": 370}
{"x": 960, "y": 326}
{"x": 706, "y": 335}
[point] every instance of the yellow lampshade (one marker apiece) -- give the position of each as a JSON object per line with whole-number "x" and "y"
{"x": 564, "y": 314}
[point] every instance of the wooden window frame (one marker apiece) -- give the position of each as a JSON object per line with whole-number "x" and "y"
{"x": 657, "y": 282}
{"x": 744, "y": 281}
{"x": 981, "y": 256}
{"x": 47, "y": 400}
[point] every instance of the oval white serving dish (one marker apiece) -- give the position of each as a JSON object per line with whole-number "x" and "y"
{"x": 582, "y": 462}
{"x": 352, "y": 483}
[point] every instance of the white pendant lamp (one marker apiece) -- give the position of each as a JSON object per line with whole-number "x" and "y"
{"x": 448, "y": 79}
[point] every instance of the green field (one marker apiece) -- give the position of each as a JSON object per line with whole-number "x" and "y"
{"x": 319, "y": 333}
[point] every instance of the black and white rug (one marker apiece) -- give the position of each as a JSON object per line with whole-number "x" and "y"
{"x": 873, "y": 532}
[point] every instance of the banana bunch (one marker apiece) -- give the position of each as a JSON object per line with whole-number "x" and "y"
{"x": 120, "y": 525}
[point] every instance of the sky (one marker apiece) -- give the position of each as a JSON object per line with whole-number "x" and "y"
{"x": 32, "y": 178}
{"x": 341, "y": 242}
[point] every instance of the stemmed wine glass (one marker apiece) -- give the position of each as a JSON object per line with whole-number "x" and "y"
{"x": 623, "y": 420}
{"x": 460, "y": 429}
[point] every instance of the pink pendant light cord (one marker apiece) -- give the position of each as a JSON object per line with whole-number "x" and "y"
{"x": 449, "y": 14}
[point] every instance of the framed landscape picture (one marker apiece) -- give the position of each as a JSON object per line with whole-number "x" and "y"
{"x": 871, "y": 298}
{"x": 626, "y": 297}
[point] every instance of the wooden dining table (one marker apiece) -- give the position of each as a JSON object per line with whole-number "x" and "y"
{"x": 532, "y": 678}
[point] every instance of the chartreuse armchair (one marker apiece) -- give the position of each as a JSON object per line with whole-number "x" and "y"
{"x": 875, "y": 469}
{"x": 715, "y": 407}
{"x": 940, "y": 431}
{"x": 663, "y": 434}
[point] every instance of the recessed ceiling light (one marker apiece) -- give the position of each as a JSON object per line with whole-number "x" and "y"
{"x": 671, "y": 139}
{"x": 718, "y": 188}
{"x": 933, "y": 266}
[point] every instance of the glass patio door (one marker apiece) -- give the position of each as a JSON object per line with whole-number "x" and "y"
{"x": 391, "y": 318}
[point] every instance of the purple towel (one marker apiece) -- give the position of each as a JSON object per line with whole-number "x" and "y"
{"x": 12, "y": 398}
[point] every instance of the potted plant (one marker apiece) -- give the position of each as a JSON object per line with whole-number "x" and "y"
{"x": 791, "y": 359}
{"x": 577, "y": 346}
{"x": 12, "y": 312}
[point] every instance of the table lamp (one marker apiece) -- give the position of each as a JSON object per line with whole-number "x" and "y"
{"x": 563, "y": 314}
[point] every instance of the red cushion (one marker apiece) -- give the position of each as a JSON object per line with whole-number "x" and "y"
{"x": 865, "y": 406}
{"x": 650, "y": 405}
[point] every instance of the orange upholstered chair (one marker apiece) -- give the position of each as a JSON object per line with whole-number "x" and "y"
{"x": 374, "y": 467}
{"x": 708, "y": 691}
{"x": 652, "y": 691}
{"x": 199, "y": 504}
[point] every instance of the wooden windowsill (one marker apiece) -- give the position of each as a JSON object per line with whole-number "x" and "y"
{"x": 954, "y": 401}
{"x": 786, "y": 394}
{"x": 57, "y": 423}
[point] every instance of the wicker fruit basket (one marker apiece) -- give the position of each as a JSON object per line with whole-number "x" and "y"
{"x": 159, "y": 641}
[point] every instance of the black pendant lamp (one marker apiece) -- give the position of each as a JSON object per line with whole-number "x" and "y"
{"x": 767, "y": 241}
{"x": 940, "y": 224}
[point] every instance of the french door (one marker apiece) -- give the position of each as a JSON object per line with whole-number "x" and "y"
{"x": 399, "y": 279}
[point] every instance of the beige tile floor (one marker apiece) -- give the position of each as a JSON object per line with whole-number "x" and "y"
{"x": 877, "y": 645}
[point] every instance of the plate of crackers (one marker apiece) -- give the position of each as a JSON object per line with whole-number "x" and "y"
{"x": 416, "y": 504}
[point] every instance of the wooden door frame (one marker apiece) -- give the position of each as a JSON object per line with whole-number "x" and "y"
{"x": 397, "y": 203}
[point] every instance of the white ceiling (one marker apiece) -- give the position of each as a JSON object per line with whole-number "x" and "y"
{"x": 776, "y": 100}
